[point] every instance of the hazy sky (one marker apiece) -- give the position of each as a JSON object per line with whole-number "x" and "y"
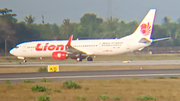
{"x": 55, "y": 11}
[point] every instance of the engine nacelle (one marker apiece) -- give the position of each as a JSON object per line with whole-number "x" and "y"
{"x": 59, "y": 55}
{"x": 22, "y": 58}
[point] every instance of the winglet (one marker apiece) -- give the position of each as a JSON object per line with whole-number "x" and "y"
{"x": 69, "y": 41}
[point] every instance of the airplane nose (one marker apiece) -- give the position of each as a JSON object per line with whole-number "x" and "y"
{"x": 11, "y": 51}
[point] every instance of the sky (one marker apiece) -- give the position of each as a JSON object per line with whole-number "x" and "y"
{"x": 55, "y": 11}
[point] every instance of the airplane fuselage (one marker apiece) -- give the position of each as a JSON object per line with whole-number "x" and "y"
{"x": 91, "y": 47}
{"x": 80, "y": 49}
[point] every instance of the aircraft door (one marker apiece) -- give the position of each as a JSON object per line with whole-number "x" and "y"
{"x": 100, "y": 46}
{"x": 24, "y": 48}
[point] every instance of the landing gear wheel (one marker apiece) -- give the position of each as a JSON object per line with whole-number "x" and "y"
{"x": 79, "y": 59}
{"x": 89, "y": 58}
{"x": 24, "y": 61}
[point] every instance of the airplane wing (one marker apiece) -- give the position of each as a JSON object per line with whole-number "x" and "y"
{"x": 154, "y": 40}
{"x": 145, "y": 40}
{"x": 73, "y": 51}
{"x": 69, "y": 48}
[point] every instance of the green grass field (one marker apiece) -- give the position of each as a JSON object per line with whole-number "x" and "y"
{"x": 127, "y": 89}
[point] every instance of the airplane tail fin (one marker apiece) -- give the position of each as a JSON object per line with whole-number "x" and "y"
{"x": 144, "y": 29}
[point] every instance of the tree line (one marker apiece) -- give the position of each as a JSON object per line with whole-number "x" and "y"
{"x": 90, "y": 26}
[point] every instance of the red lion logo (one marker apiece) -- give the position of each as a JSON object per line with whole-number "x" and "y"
{"x": 146, "y": 29}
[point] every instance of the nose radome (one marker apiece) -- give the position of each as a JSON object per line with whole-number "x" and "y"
{"x": 11, "y": 51}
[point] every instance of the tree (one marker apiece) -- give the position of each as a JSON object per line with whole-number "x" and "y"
{"x": 6, "y": 15}
{"x": 55, "y": 32}
{"x": 76, "y": 30}
{"x": 65, "y": 28}
{"x": 90, "y": 25}
{"x": 29, "y": 20}
{"x": 166, "y": 20}
{"x": 109, "y": 29}
{"x": 7, "y": 33}
{"x": 178, "y": 20}
{"x": 45, "y": 30}
{"x": 26, "y": 34}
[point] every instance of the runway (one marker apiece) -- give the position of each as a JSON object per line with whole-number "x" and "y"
{"x": 84, "y": 75}
{"x": 94, "y": 63}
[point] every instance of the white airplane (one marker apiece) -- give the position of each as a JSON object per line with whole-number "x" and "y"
{"x": 80, "y": 49}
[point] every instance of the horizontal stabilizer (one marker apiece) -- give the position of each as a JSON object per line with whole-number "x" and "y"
{"x": 145, "y": 40}
{"x": 154, "y": 40}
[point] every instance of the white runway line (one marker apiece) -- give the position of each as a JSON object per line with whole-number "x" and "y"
{"x": 98, "y": 63}
{"x": 93, "y": 76}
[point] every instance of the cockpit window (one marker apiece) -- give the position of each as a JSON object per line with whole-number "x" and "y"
{"x": 16, "y": 47}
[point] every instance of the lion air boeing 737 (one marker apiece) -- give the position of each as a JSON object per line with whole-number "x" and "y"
{"x": 80, "y": 49}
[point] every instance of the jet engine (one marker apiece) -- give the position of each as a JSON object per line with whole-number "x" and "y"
{"x": 59, "y": 55}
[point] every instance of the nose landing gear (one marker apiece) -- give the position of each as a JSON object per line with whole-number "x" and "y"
{"x": 24, "y": 60}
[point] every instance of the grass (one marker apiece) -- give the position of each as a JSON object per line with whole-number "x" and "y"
{"x": 19, "y": 69}
{"x": 81, "y": 68}
{"x": 45, "y": 80}
{"x": 43, "y": 69}
{"x": 71, "y": 84}
{"x": 28, "y": 81}
{"x": 38, "y": 88}
{"x": 148, "y": 97}
{"x": 103, "y": 97}
{"x": 117, "y": 98}
{"x": 7, "y": 82}
{"x": 44, "y": 98}
{"x": 174, "y": 77}
{"x": 57, "y": 90}
{"x": 123, "y": 89}
{"x": 160, "y": 77}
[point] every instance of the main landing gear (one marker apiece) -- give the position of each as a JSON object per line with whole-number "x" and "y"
{"x": 79, "y": 58}
{"x": 89, "y": 58}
